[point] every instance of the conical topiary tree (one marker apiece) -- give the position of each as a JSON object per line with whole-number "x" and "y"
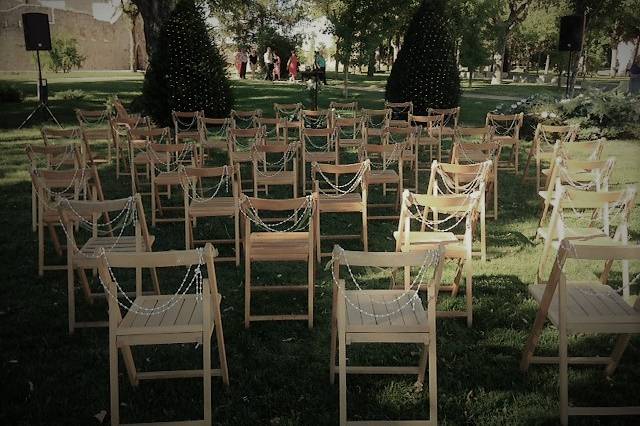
{"x": 425, "y": 71}
{"x": 186, "y": 71}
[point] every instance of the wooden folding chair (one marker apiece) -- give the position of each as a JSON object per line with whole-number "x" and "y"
{"x": 459, "y": 210}
{"x": 406, "y": 136}
{"x": 578, "y": 214}
{"x": 53, "y": 157}
{"x": 213, "y": 134}
{"x": 400, "y": 113}
{"x": 449, "y": 121}
{"x": 336, "y": 196}
{"x": 386, "y": 316}
{"x": 430, "y": 136}
{"x": 542, "y": 148}
{"x": 386, "y": 169}
{"x": 289, "y": 121}
{"x": 317, "y": 145}
{"x": 285, "y": 243}
{"x": 478, "y": 153}
{"x": 584, "y": 150}
{"x": 245, "y": 119}
{"x": 583, "y": 308}
{"x": 240, "y": 143}
{"x": 92, "y": 137}
{"x": 201, "y": 186}
{"x": 348, "y": 132}
{"x": 507, "y": 133}
{"x": 166, "y": 160}
{"x": 137, "y": 142}
{"x": 49, "y": 186}
{"x": 180, "y": 318}
{"x": 271, "y": 127}
{"x": 122, "y": 115}
{"x": 589, "y": 175}
{"x": 373, "y": 121}
{"x": 110, "y": 236}
{"x": 120, "y": 127}
{"x": 275, "y": 165}
{"x": 465, "y": 179}
{"x": 185, "y": 125}
{"x": 344, "y": 109}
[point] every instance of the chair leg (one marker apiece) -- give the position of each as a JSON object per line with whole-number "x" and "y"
{"x": 113, "y": 380}
{"x": 334, "y": 341}
{"x": 310, "y": 291}
{"x": 236, "y": 235}
{"x": 222, "y": 354}
{"x": 155, "y": 280}
{"x": 54, "y": 238}
{"x": 365, "y": 230}
{"x": 422, "y": 365}
{"x": 130, "y": 365}
{"x": 564, "y": 379}
{"x": 316, "y": 231}
{"x": 247, "y": 290}
{"x": 85, "y": 284}
{"x": 71, "y": 298}
{"x": 433, "y": 383}
{"x": 616, "y": 354}
{"x": 342, "y": 373}
{"x": 206, "y": 374}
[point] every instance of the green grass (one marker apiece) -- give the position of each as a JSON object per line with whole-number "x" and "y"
{"x": 279, "y": 371}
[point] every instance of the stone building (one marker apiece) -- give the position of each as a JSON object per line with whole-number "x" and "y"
{"x": 104, "y": 33}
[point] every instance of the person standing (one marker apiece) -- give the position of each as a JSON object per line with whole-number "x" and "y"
{"x": 292, "y": 66}
{"x": 238, "y": 61}
{"x": 244, "y": 58}
{"x": 253, "y": 62}
{"x": 268, "y": 64}
{"x": 276, "y": 66}
{"x": 321, "y": 65}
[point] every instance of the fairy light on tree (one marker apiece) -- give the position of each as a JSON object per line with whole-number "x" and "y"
{"x": 425, "y": 71}
{"x": 186, "y": 71}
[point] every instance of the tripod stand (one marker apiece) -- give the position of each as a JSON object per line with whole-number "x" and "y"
{"x": 42, "y": 98}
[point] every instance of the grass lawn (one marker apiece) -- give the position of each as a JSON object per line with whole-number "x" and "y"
{"x": 279, "y": 371}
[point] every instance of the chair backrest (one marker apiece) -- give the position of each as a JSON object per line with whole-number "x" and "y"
{"x": 348, "y": 127}
{"x": 180, "y": 259}
{"x": 54, "y": 156}
{"x": 600, "y": 206}
{"x": 432, "y": 124}
{"x": 304, "y": 210}
{"x": 52, "y": 184}
{"x": 505, "y": 124}
{"x": 318, "y": 139}
{"x": 386, "y": 156}
{"x": 52, "y": 135}
{"x": 360, "y": 172}
{"x": 151, "y": 134}
{"x": 586, "y": 150}
{"x": 344, "y": 109}
{"x": 581, "y": 174}
{"x": 121, "y": 111}
{"x": 288, "y": 112}
{"x": 457, "y": 207}
{"x": 476, "y": 134}
{"x": 400, "y": 110}
{"x": 546, "y": 136}
{"x": 245, "y": 119}
{"x": 445, "y": 178}
{"x": 185, "y": 121}
{"x": 375, "y": 118}
{"x": 451, "y": 115}
{"x": 240, "y": 140}
{"x": 316, "y": 119}
{"x": 92, "y": 118}
{"x": 199, "y": 182}
{"x": 473, "y": 152}
{"x": 403, "y": 135}
{"x": 171, "y": 156}
{"x": 212, "y": 129}
{"x": 92, "y": 135}
{"x": 285, "y": 154}
{"x": 422, "y": 259}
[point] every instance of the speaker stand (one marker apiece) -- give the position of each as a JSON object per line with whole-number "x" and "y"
{"x": 42, "y": 105}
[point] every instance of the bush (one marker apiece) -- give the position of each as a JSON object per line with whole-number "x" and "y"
{"x": 71, "y": 95}
{"x": 425, "y": 71}
{"x": 10, "y": 93}
{"x": 187, "y": 71}
{"x": 64, "y": 55}
{"x": 598, "y": 113}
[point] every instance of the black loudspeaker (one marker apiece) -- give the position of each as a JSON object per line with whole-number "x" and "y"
{"x": 570, "y": 33}
{"x": 36, "y": 31}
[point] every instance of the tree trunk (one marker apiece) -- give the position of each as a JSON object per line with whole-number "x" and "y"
{"x": 470, "y": 77}
{"x": 371, "y": 65}
{"x": 153, "y": 13}
{"x": 614, "y": 58}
